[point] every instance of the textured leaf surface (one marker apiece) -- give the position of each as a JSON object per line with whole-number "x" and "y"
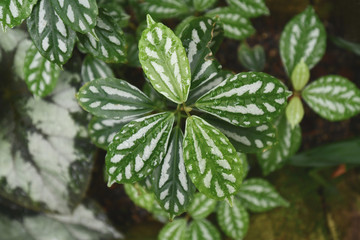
{"x": 40, "y": 74}
{"x": 54, "y": 40}
{"x": 211, "y": 161}
{"x": 138, "y": 148}
{"x": 234, "y": 221}
{"x": 246, "y": 140}
{"x": 113, "y": 98}
{"x": 172, "y": 186}
{"x": 111, "y": 44}
{"x": 202, "y": 229}
{"x": 201, "y": 206}
{"x": 252, "y": 59}
{"x": 165, "y": 8}
{"x": 175, "y": 230}
{"x": 259, "y": 195}
{"x": 93, "y": 68}
{"x": 164, "y": 61}
{"x": 289, "y": 140}
{"x": 249, "y": 8}
{"x": 201, "y": 5}
{"x": 246, "y": 99}
{"x": 303, "y": 37}
{"x": 294, "y": 111}
{"x": 14, "y": 12}
{"x": 83, "y": 223}
{"x": 333, "y": 97}
{"x": 140, "y": 196}
{"x": 235, "y": 25}
{"x": 80, "y": 15}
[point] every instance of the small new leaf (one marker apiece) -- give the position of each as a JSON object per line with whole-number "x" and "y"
{"x": 14, "y": 12}
{"x": 202, "y": 229}
{"x": 138, "y": 148}
{"x": 164, "y": 61}
{"x": 40, "y": 74}
{"x": 258, "y": 195}
{"x": 210, "y": 159}
{"x": 252, "y": 59}
{"x": 249, "y": 8}
{"x": 333, "y": 97}
{"x": 300, "y": 76}
{"x": 294, "y": 111}
{"x": 246, "y": 99}
{"x": 175, "y": 230}
{"x": 113, "y": 98}
{"x": 93, "y": 68}
{"x": 201, "y": 206}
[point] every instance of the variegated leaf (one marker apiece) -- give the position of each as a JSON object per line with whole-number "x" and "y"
{"x": 10, "y": 39}
{"x": 14, "y": 12}
{"x": 250, "y": 8}
{"x": 235, "y": 25}
{"x": 140, "y": 196}
{"x": 246, "y": 140}
{"x": 211, "y": 161}
{"x": 182, "y": 25}
{"x": 93, "y": 68}
{"x": 160, "y": 9}
{"x": 19, "y": 57}
{"x": 289, "y": 140}
{"x": 201, "y": 5}
{"x": 102, "y": 131}
{"x": 138, "y": 148}
{"x": 116, "y": 11}
{"x": 333, "y": 97}
{"x": 175, "y": 230}
{"x": 246, "y": 99}
{"x": 110, "y": 45}
{"x": 54, "y": 40}
{"x": 202, "y": 229}
{"x": 80, "y": 15}
{"x": 172, "y": 186}
{"x": 113, "y": 98}
{"x": 294, "y": 111}
{"x": 233, "y": 220}
{"x": 201, "y": 206}
{"x": 303, "y": 37}
{"x": 40, "y": 74}
{"x": 164, "y": 61}
{"x": 259, "y": 195}
{"x": 252, "y": 59}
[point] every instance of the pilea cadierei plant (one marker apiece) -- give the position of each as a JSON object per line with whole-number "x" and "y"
{"x": 177, "y": 142}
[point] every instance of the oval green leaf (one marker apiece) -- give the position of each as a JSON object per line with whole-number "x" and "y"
{"x": 294, "y": 111}
{"x": 201, "y": 206}
{"x": 202, "y": 229}
{"x": 249, "y": 8}
{"x": 175, "y": 230}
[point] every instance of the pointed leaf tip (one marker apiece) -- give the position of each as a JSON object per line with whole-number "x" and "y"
{"x": 150, "y": 21}
{"x": 230, "y": 200}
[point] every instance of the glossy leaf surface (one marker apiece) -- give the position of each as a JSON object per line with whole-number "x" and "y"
{"x": 175, "y": 230}
{"x": 202, "y": 229}
{"x": 14, "y": 12}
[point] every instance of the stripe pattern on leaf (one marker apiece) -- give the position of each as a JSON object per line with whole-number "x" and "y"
{"x": 210, "y": 159}
{"x": 246, "y": 99}
{"x": 164, "y": 61}
{"x": 234, "y": 221}
{"x": 111, "y": 44}
{"x": 14, "y": 12}
{"x": 175, "y": 230}
{"x": 40, "y": 74}
{"x": 303, "y": 37}
{"x": 201, "y": 206}
{"x": 235, "y": 25}
{"x": 80, "y": 15}
{"x": 54, "y": 40}
{"x": 172, "y": 186}
{"x": 333, "y": 97}
{"x": 202, "y": 229}
{"x": 259, "y": 195}
{"x": 165, "y": 8}
{"x": 93, "y": 68}
{"x": 113, "y": 98}
{"x": 138, "y": 148}
{"x": 289, "y": 140}
{"x": 249, "y": 8}
{"x": 201, "y": 5}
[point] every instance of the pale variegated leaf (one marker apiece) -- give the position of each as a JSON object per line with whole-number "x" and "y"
{"x": 54, "y": 40}
{"x": 233, "y": 220}
{"x": 333, "y": 97}
{"x": 172, "y": 186}
{"x": 116, "y": 11}
{"x": 80, "y": 15}
{"x": 211, "y": 161}
{"x": 138, "y": 148}
{"x": 250, "y": 8}
{"x": 40, "y": 74}
{"x": 246, "y": 99}
{"x": 93, "y": 68}
{"x": 102, "y": 131}
{"x": 303, "y": 37}
{"x": 294, "y": 111}
{"x": 175, "y": 230}
{"x": 140, "y": 196}
{"x": 113, "y": 98}
{"x": 110, "y": 45}
{"x": 201, "y": 206}
{"x": 10, "y": 39}
{"x": 246, "y": 140}
{"x": 201, "y": 5}
{"x": 19, "y": 57}
{"x": 289, "y": 140}
{"x": 202, "y": 229}
{"x": 259, "y": 195}
{"x": 165, "y": 8}
{"x": 164, "y": 61}
{"x": 235, "y": 25}
{"x": 14, "y": 12}
{"x": 252, "y": 59}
